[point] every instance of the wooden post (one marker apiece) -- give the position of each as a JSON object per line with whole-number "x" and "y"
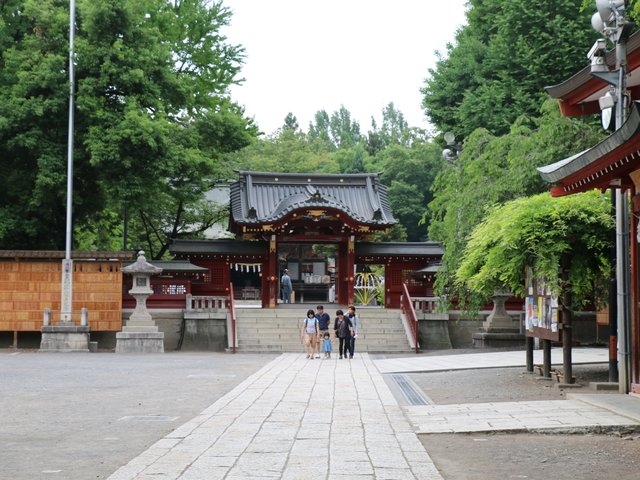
{"x": 546, "y": 358}
{"x": 349, "y": 274}
{"x": 529, "y": 347}
{"x": 272, "y": 273}
{"x": 567, "y": 328}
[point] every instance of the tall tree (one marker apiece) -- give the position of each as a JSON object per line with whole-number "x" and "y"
{"x": 409, "y": 173}
{"x": 501, "y": 61}
{"x": 291, "y": 122}
{"x": 288, "y": 151}
{"x": 319, "y": 129}
{"x": 345, "y": 132}
{"x": 152, "y": 118}
{"x": 495, "y": 169}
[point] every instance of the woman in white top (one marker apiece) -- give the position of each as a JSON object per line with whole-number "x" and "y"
{"x": 309, "y": 332}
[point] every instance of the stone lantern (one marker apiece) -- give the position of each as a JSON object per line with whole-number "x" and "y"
{"x": 140, "y": 333}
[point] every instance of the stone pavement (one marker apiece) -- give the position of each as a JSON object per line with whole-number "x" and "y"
{"x": 580, "y": 412}
{"x": 485, "y": 360}
{"x": 337, "y": 419}
{"x": 293, "y": 419}
{"x": 572, "y": 415}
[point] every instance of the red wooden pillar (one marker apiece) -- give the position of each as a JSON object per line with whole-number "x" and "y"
{"x": 350, "y": 272}
{"x": 344, "y": 274}
{"x": 270, "y": 276}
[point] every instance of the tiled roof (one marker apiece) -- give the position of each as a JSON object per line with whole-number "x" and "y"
{"x": 175, "y": 266}
{"x": 60, "y": 254}
{"x": 399, "y": 248}
{"x": 260, "y": 197}
{"x": 597, "y": 166}
{"x": 213, "y": 247}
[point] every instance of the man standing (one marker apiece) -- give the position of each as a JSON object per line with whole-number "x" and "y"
{"x": 351, "y": 314}
{"x": 323, "y": 325}
{"x": 286, "y": 286}
{"x": 343, "y": 329}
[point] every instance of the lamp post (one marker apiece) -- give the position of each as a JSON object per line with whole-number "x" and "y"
{"x": 451, "y": 153}
{"x": 610, "y": 21}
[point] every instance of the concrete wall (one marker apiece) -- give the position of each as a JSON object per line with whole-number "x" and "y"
{"x": 585, "y": 330}
{"x": 206, "y": 333}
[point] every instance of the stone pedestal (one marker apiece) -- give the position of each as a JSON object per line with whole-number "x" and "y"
{"x": 65, "y": 338}
{"x": 499, "y": 329}
{"x": 140, "y": 342}
{"x": 141, "y": 334}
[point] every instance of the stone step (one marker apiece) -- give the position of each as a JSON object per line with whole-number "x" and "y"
{"x": 278, "y": 330}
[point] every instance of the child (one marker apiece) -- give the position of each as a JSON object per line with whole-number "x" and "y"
{"x": 326, "y": 345}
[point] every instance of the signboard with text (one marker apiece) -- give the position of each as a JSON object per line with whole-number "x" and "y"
{"x": 542, "y": 313}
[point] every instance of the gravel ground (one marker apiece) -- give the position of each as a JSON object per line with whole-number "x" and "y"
{"x": 81, "y": 416}
{"x": 528, "y": 456}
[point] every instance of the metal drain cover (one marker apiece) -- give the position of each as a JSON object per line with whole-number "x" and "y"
{"x": 411, "y": 392}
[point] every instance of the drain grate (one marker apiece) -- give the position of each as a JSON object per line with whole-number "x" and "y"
{"x": 409, "y": 390}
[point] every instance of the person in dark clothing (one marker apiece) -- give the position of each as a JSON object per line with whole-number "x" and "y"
{"x": 323, "y": 326}
{"x": 286, "y": 286}
{"x": 351, "y": 314}
{"x": 343, "y": 329}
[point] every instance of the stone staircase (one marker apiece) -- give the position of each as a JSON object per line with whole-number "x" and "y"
{"x": 278, "y": 330}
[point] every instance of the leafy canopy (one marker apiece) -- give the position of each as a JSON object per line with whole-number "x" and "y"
{"x": 492, "y": 170}
{"x": 500, "y": 62}
{"x": 542, "y": 233}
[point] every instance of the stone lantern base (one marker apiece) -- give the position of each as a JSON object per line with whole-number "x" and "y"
{"x": 500, "y": 329}
{"x": 65, "y": 338}
{"x": 139, "y": 342}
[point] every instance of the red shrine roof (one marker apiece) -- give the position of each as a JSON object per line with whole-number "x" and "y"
{"x": 579, "y": 94}
{"x": 265, "y": 198}
{"x": 605, "y": 165}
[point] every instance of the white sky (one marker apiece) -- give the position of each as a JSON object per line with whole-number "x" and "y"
{"x": 308, "y": 55}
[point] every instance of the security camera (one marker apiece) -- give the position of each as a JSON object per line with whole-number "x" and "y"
{"x": 598, "y": 50}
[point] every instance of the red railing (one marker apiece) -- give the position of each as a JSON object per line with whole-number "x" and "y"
{"x": 232, "y": 312}
{"x": 410, "y": 314}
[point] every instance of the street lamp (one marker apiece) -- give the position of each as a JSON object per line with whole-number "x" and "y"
{"x": 451, "y": 153}
{"x": 609, "y": 20}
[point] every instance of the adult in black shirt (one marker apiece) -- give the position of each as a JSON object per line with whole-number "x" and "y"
{"x": 324, "y": 319}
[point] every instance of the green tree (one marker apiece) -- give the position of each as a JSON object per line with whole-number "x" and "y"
{"x": 544, "y": 234}
{"x": 152, "y": 118}
{"x": 492, "y": 170}
{"x": 344, "y": 131}
{"x": 319, "y": 129}
{"x": 409, "y": 173}
{"x": 501, "y": 61}
{"x": 291, "y": 122}
{"x": 288, "y": 151}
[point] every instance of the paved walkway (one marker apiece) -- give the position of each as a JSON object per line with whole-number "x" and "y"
{"x": 294, "y": 419}
{"x": 337, "y": 419}
{"x": 498, "y": 359}
{"x": 572, "y": 415}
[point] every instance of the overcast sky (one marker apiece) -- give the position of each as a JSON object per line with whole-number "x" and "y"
{"x": 308, "y": 55}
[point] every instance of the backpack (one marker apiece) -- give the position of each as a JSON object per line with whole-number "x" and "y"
{"x": 306, "y": 325}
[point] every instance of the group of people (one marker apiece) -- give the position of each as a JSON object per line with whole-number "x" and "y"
{"x": 316, "y": 335}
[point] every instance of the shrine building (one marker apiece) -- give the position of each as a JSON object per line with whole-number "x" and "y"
{"x": 320, "y": 227}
